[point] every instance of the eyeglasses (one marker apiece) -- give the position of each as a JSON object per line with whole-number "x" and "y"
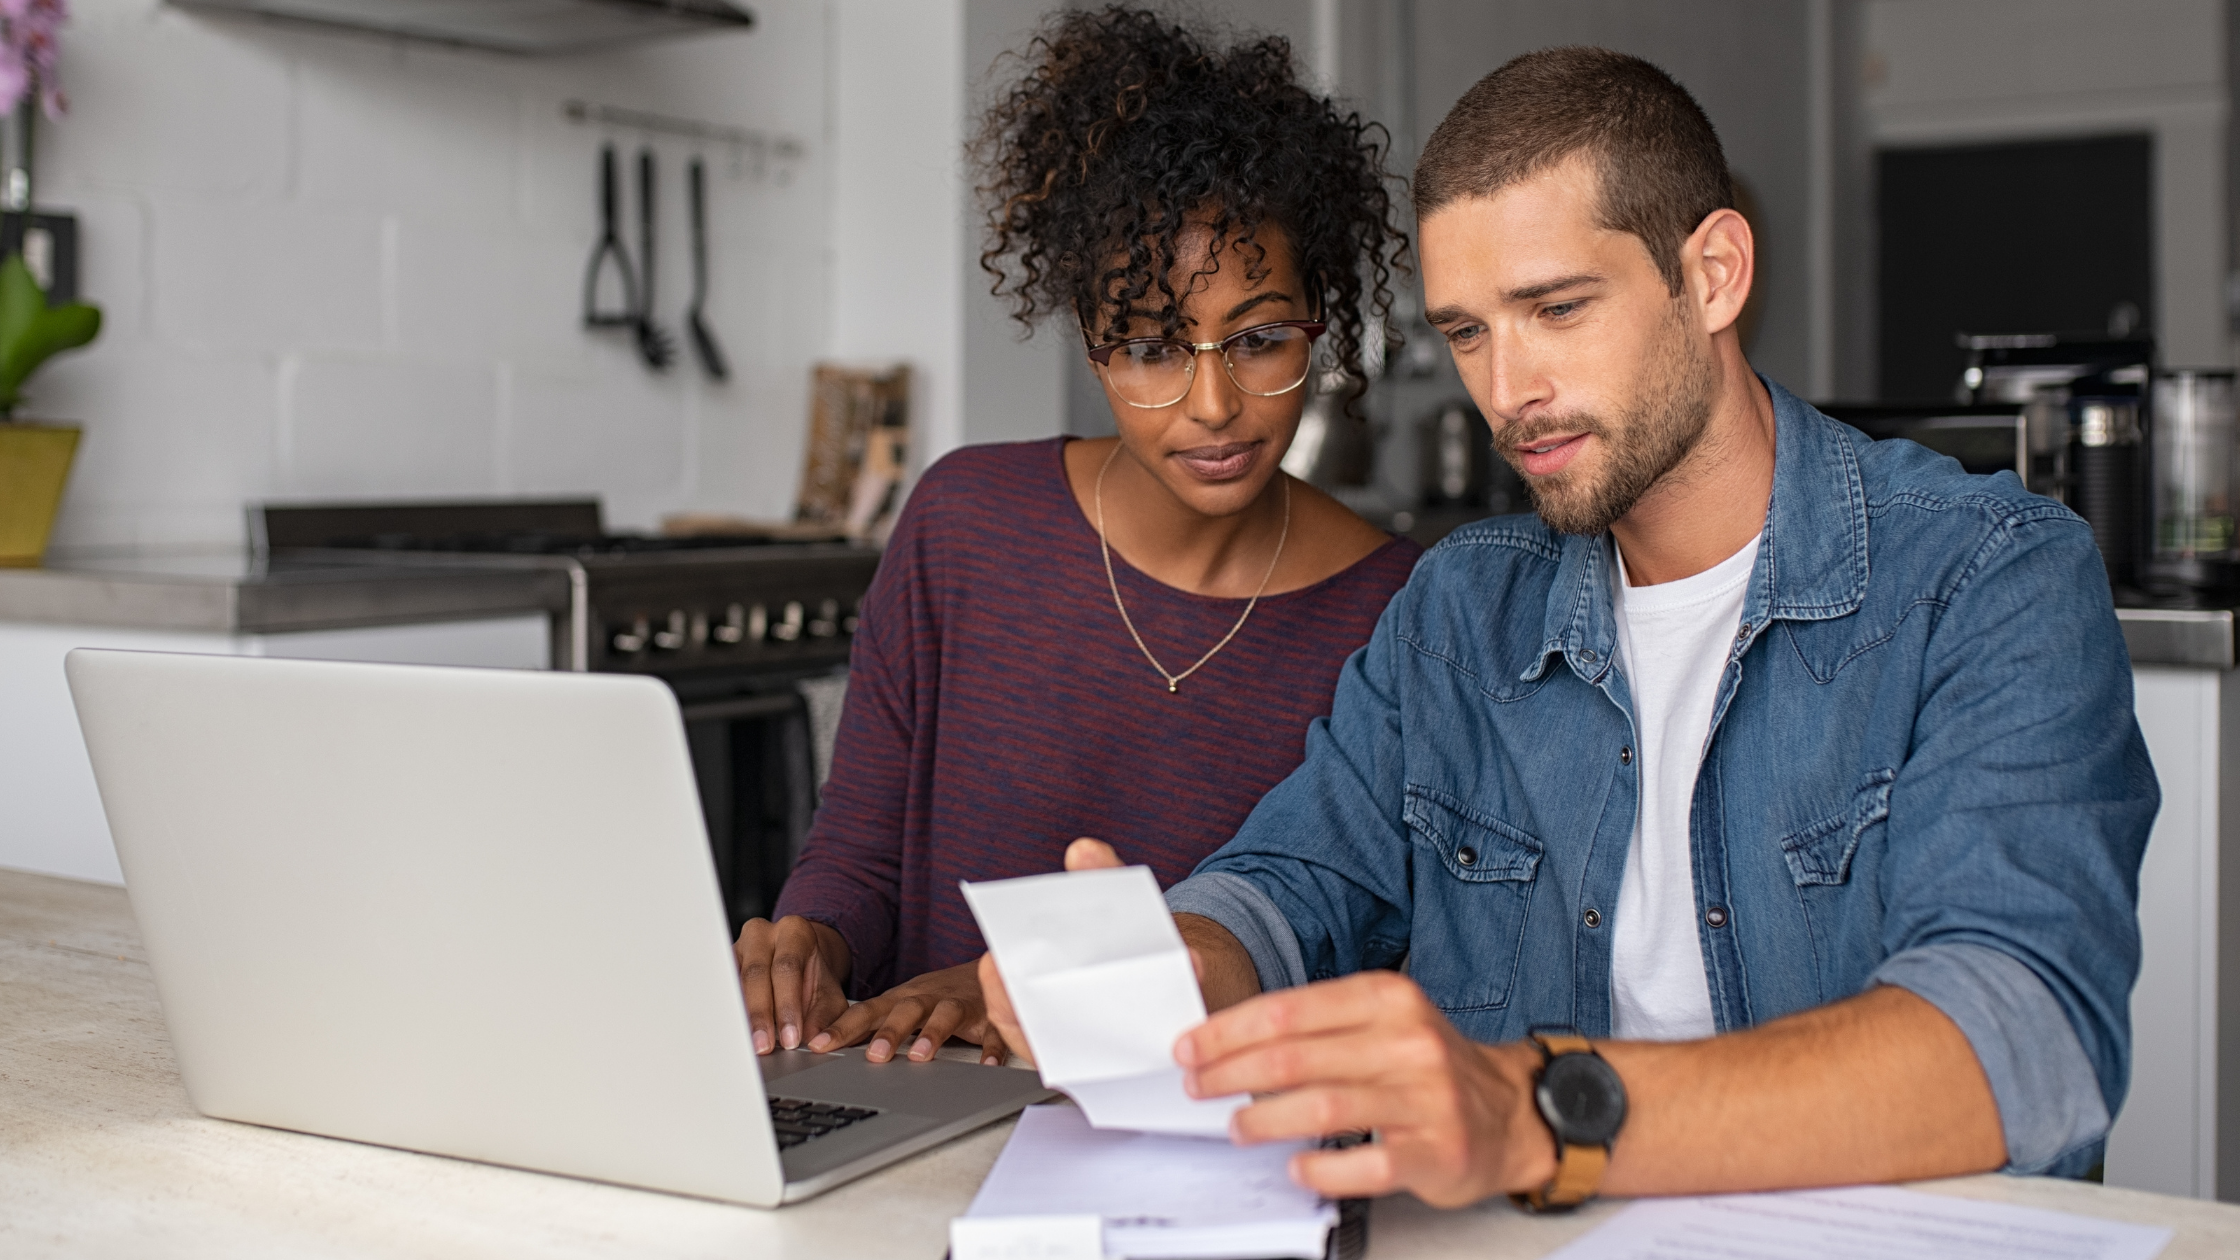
{"x": 1264, "y": 361}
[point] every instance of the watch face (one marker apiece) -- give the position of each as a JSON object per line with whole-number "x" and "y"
{"x": 1582, "y": 1099}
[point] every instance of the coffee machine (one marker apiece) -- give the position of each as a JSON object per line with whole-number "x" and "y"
{"x": 2086, "y": 403}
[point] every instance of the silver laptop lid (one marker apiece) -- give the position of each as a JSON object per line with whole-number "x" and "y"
{"x": 470, "y": 912}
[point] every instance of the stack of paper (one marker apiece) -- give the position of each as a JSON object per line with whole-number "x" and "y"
{"x": 1064, "y": 1191}
{"x": 1102, "y": 985}
{"x": 1860, "y": 1223}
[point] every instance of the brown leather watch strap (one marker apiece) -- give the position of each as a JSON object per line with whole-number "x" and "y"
{"x": 1579, "y": 1169}
{"x": 1554, "y": 1043}
{"x": 1578, "y": 1172}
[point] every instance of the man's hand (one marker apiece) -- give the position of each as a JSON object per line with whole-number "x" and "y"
{"x": 1876, "y": 1088}
{"x": 1455, "y": 1120}
{"x": 934, "y": 1006}
{"x": 790, "y": 972}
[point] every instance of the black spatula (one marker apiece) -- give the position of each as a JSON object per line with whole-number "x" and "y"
{"x": 703, "y": 338}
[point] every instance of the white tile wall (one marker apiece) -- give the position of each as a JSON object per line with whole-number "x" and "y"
{"x": 335, "y": 265}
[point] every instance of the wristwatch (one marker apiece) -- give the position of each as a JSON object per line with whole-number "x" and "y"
{"x": 1584, "y": 1103}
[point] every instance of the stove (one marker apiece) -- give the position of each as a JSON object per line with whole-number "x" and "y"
{"x": 674, "y": 607}
{"x": 734, "y": 624}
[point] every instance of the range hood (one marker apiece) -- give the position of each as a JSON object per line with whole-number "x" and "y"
{"x": 527, "y": 27}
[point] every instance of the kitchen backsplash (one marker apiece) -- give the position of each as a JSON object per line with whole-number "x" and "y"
{"x": 344, "y": 266}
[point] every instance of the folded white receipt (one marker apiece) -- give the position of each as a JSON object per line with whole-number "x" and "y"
{"x": 1102, "y": 985}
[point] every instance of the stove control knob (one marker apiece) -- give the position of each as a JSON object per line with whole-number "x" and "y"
{"x": 758, "y": 624}
{"x": 854, "y": 619}
{"x": 633, "y": 641}
{"x": 827, "y": 623}
{"x": 733, "y": 627}
{"x": 789, "y": 626}
{"x": 672, "y": 636}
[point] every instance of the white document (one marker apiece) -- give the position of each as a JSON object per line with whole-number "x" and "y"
{"x": 1075, "y": 1237}
{"x": 1103, "y": 986}
{"x": 1861, "y": 1223}
{"x": 1157, "y": 1197}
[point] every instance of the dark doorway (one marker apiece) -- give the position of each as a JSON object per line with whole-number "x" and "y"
{"x": 2046, "y": 236}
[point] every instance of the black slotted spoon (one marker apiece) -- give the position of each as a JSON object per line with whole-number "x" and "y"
{"x": 703, "y": 337}
{"x": 609, "y": 250}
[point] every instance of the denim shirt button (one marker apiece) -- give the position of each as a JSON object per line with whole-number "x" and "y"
{"x": 1587, "y": 655}
{"x": 1592, "y": 918}
{"x": 1716, "y": 916}
{"x": 1742, "y": 635}
{"x": 1466, "y": 855}
{"x": 1625, "y": 754}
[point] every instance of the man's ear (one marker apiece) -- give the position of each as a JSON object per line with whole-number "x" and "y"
{"x": 1718, "y": 262}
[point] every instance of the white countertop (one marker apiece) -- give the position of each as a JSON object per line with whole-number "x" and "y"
{"x": 101, "y": 1156}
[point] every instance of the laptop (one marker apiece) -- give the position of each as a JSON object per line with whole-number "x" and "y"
{"x": 472, "y": 913}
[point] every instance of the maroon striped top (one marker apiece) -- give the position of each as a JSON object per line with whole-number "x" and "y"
{"x": 997, "y": 709}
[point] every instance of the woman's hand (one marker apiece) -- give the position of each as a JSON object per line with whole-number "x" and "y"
{"x": 790, "y": 972}
{"x": 934, "y": 1007}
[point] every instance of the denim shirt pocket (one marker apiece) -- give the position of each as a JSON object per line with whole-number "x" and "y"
{"x": 1470, "y": 902}
{"x": 1821, "y": 853}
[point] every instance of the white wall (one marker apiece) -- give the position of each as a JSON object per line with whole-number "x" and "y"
{"x": 1960, "y": 71}
{"x": 897, "y": 119}
{"x": 336, "y": 265}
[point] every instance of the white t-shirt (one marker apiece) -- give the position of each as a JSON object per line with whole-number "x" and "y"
{"x": 1673, "y": 641}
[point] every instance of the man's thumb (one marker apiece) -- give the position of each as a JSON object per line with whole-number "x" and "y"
{"x": 1086, "y": 854}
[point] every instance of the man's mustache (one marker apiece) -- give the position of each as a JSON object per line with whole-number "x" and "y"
{"x": 1512, "y": 437}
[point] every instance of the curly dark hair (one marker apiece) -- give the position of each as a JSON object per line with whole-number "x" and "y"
{"x": 1127, "y": 129}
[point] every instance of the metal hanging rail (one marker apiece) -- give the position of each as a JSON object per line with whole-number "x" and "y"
{"x": 692, "y": 128}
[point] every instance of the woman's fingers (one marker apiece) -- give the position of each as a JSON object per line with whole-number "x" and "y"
{"x": 940, "y": 1025}
{"x": 992, "y": 1050}
{"x": 1000, "y": 1014}
{"x": 752, "y": 952}
{"x": 793, "y": 958}
{"x": 853, "y": 1024}
{"x": 902, "y": 1019}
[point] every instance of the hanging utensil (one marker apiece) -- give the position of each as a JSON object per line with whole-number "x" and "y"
{"x": 655, "y": 344}
{"x": 609, "y": 249}
{"x": 703, "y": 337}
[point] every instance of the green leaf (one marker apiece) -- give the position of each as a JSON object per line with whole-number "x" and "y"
{"x": 31, "y": 332}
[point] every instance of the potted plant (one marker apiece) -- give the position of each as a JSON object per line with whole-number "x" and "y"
{"x": 34, "y": 458}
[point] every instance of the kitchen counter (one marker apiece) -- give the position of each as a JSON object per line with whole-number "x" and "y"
{"x": 227, "y": 592}
{"x": 2201, "y": 638}
{"x": 101, "y": 1155}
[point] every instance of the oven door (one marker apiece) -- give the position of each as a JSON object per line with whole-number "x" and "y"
{"x": 760, "y": 745}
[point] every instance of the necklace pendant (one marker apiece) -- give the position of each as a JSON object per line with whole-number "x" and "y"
{"x": 1171, "y": 685}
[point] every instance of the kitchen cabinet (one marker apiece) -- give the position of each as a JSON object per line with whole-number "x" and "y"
{"x": 50, "y": 813}
{"x": 2179, "y": 1130}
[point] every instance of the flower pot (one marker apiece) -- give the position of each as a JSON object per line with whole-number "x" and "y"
{"x": 34, "y": 463}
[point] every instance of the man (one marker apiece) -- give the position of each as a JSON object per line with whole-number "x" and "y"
{"x": 1795, "y": 773}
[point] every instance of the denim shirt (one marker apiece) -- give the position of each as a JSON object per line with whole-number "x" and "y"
{"x": 1923, "y": 770}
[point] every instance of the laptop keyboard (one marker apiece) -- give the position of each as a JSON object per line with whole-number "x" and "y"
{"x": 796, "y": 1121}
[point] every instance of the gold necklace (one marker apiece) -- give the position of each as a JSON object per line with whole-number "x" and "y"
{"x": 1174, "y": 681}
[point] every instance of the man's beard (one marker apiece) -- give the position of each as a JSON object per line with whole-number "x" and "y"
{"x": 1657, "y": 430}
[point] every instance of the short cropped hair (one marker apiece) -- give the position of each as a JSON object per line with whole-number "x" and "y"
{"x": 1658, "y": 158}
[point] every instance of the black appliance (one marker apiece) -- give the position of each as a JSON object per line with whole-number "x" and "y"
{"x": 731, "y": 623}
{"x": 1985, "y": 439}
{"x": 2087, "y": 398}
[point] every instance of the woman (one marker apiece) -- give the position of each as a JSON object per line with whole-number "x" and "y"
{"x": 1125, "y": 637}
